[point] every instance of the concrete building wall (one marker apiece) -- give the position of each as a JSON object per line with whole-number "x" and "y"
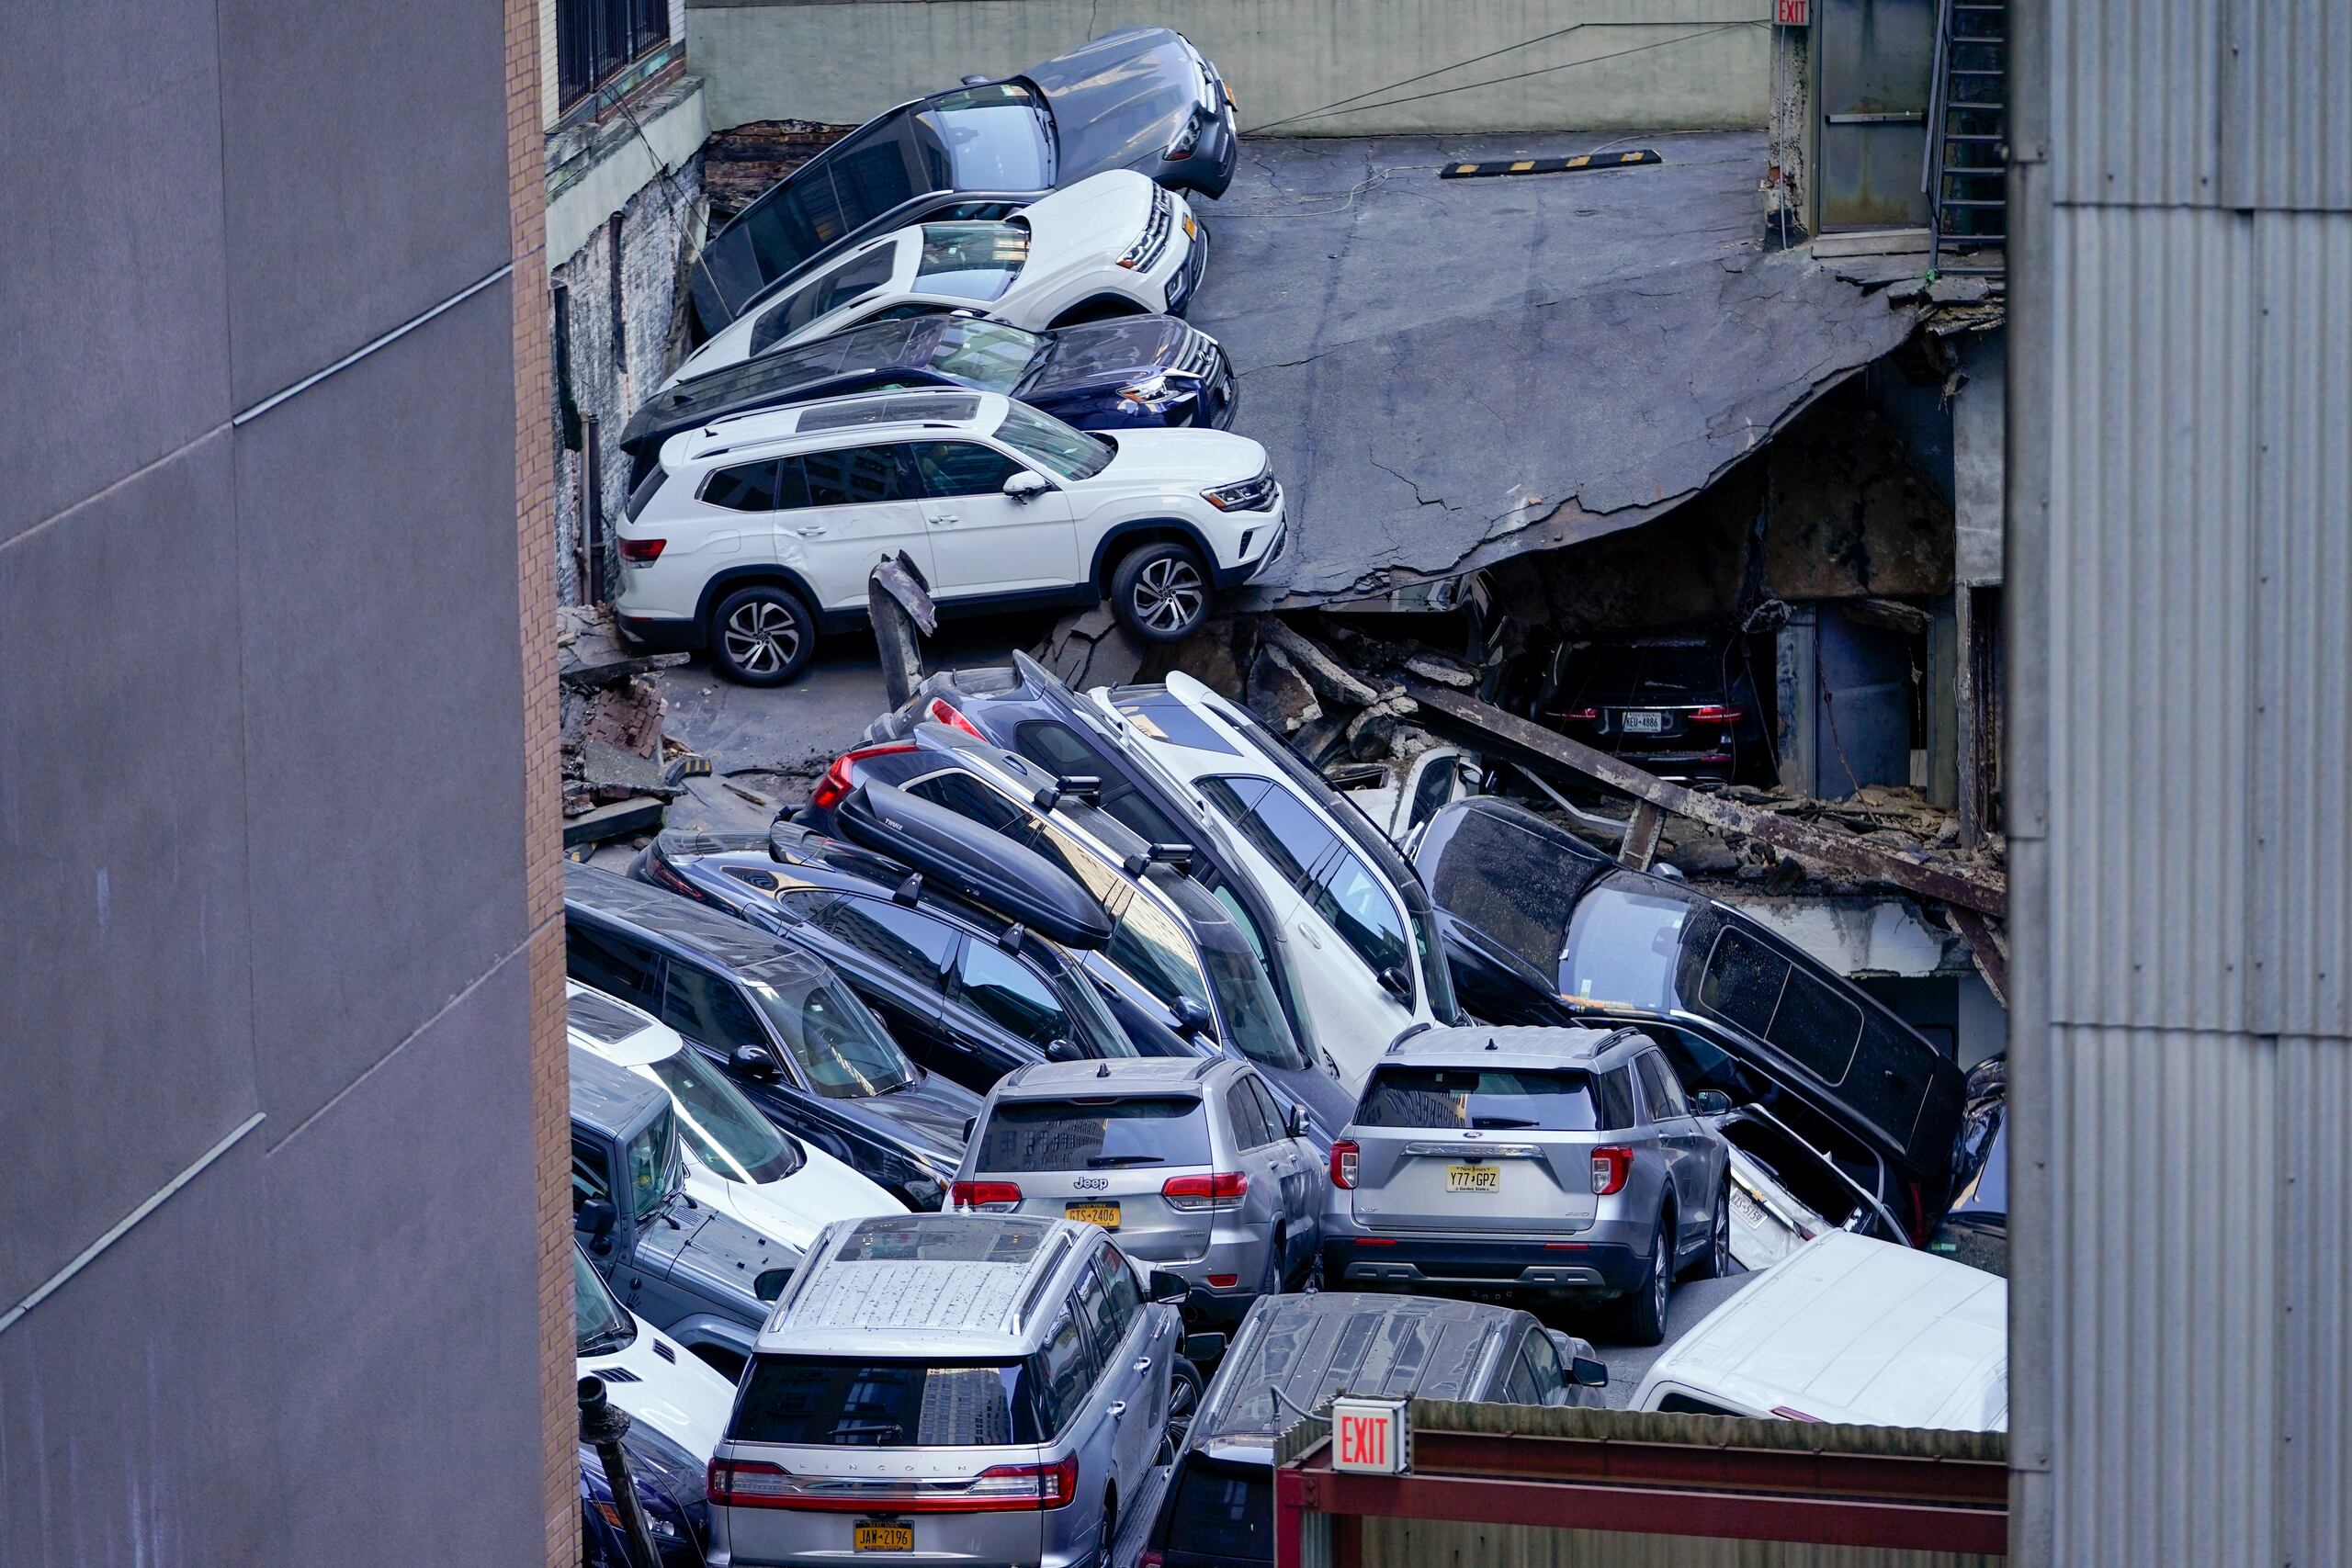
{"x": 280, "y": 1232}
{"x": 1396, "y": 65}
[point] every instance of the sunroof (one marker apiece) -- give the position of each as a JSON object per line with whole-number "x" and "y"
{"x": 941, "y": 1238}
{"x": 602, "y": 1018}
{"x": 888, "y": 411}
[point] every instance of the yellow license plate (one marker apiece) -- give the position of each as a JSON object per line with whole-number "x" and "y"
{"x": 1473, "y": 1178}
{"x": 883, "y": 1538}
{"x": 1104, "y": 1214}
{"x": 1192, "y": 230}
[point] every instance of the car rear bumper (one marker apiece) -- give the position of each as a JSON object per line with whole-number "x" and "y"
{"x": 659, "y": 635}
{"x": 1599, "y": 1262}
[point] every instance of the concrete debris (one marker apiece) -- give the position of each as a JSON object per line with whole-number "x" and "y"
{"x": 590, "y": 653}
{"x": 1444, "y": 671}
{"x": 1330, "y": 679}
{"x": 1278, "y": 693}
{"x": 610, "y": 708}
{"x": 1091, "y": 649}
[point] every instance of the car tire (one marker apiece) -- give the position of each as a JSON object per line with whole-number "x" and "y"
{"x": 1160, "y": 592}
{"x": 1269, "y": 1279}
{"x": 1642, "y": 1313}
{"x": 1107, "y": 1556}
{"x": 1184, "y": 1404}
{"x": 762, "y": 636}
{"x": 1716, "y": 1263}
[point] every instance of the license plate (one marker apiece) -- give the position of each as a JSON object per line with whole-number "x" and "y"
{"x": 1192, "y": 229}
{"x": 883, "y": 1538}
{"x": 1645, "y": 723}
{"x": 1473, "y": 1178}
{"x": 1749, "y": 1210}
{"x": 1104, "y": 1214}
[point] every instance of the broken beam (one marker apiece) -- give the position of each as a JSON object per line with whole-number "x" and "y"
{"x": 1985, "y": 946}
{"x": 1969, "y": 888}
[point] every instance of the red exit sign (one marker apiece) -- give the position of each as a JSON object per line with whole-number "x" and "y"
{"x": 1368, "y": 1436}
{"x": 1790, "y": 13}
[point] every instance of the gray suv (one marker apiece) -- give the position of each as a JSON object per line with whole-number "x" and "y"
{"x": 949, "y": 1387}
{"x": 1190, "y": 1161}
{"x": 1549, "y": 1163}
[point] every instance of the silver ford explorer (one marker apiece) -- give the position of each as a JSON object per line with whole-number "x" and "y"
{"x": 1564, "y": 1164}
{"x": 948, "y": 1388}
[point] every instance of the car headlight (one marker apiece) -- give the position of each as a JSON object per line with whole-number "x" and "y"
{"x": 1152, "y": 244}
{"x": 1156, "y": 392}
{"x": 1187, "y": 140}
{"x": 663, "y": 1529}
{"x": 1253, "y": 494}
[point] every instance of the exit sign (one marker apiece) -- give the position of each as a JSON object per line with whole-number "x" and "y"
{"x": 1788, "y": 13}
{"x": 1368, "y": 1436}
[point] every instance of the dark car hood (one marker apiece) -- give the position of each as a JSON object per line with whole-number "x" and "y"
{"x": 1118, "y": 100}
{"x": 931, "y": 1112}
{"x": 1328, "y": 1105}
{"x": 1110, "y": 353}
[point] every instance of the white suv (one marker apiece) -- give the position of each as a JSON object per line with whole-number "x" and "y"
{"x": 1115, "y": 244}
{"x": 755, "y": 533}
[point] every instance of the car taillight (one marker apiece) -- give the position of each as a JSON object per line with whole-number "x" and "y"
{"x": 835, "y": 784}
{"x": 1191, "y": 1193}
{"x": 1580, "y": 716}
{"x": 1715, "y": 714}
{"x": 1027, "y": 1485}
{"x": 753, "y": 1484}
{"x": 642, "y": 550}
{"x": 748, "y": 1483}
{"x": 1611, "y": 1163}
{"x": 1152, "y": 1558}
{"x": 939, "y": 711}
{"x": 1343, "y": 1163}
{"x": 996, "y": 1197}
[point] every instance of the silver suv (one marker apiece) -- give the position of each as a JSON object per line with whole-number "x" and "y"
{"x": 948, "y": 1388}
{"x": 1192, "y": 1162}
{"x": 1556, "y": 1163}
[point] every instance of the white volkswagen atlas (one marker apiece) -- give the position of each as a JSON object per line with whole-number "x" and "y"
{"x": 1115, "y": 244}
{"x": 756, "y": 533}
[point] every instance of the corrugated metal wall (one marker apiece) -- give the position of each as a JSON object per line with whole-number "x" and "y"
{"x": 2181, "y": 773}
{"x": 1430, "y": 1544}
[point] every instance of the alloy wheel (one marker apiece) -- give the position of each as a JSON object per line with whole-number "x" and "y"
{"x": 1722, "y": 1241}
{"x": 1169, "y": 593}
{"x": 1184, "y": 1403}
{"x": 761, "y": 636}
{"x": 1662, "y": 1276}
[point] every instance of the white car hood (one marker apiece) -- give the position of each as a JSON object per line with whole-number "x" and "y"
{"x": 1194, "y": 460}
{"x": 794, "y": 1209}
{"x": 677, "y": 1393}
{"x": 1088, "y": 223}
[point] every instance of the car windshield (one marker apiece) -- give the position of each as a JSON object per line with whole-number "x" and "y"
{"x": 863, "y": 1402}
{"x": 1482, "y": 1098}
{"x": 998, "y": 137}
{"x": 1072, "y": 454}
{"x": 1087, "y": 1133}
{"x": 725, "y": 1134}
{"x": 1246, "y": 1005}
{"x": 1621, "y": 947}
{"x": 839, "y": 1046}
{"x": 1223, "y": 1513}
{"x": 653, "y": 1159}
{"x": 970, "y": 261}
{"x": 986, "y": 354}
{"x": 603, "y": 1324}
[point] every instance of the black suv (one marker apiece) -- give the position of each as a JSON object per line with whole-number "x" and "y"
{"x": 779, "y": 1022}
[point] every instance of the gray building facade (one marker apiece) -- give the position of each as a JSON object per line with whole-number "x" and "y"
{"x": 282, "y": 1275}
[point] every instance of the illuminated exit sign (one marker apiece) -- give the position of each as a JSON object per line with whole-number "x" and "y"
{"x": 1368, "y": 1436}
{"x": 1790, "y": 13}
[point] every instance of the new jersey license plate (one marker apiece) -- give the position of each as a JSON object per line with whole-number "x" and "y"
{"x": 1645, "y": 723}
{"x": 1473, "y": 1178}
{"x": 883, "y": 1538}
{"x": 1104, "y": 1214}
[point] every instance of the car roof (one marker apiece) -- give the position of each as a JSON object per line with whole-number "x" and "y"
{"x": 1124, "y": 1075}
{"x": 1847, "y": 1328}
{"x": 1314, "y": 1346}
{"x": 862, "y": 417}
{"x": 786, "y": 374}
{"x": 707, "y": 933}
{"x": 1477, "y": 1045}
{"x": 611, "y": 1099}
{"x": 610, "y": 1028}
{"x": 954, "y": 1284}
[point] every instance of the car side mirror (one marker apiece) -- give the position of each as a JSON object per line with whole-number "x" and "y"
{"x": 595, "y": 1218}
{"x": 771, "y": 1283}
{"x": 753, "y": 1061}
{"x": 1026, "y": 484}
{"x": 1589, "y": 1372}
{"x": 1191, "y": 1017}
{"x": 1393, "y": 981}
{"x": 1063, "y": 1050}
{"x": 974, "y": 79}
{"x": 1202, "y": 1347}
{"x": 971, "y": 1125}
{"x": 1169, "y": 1287}
{"x": 1710, "y": 1102}
{"x": 1294, "y": 1124}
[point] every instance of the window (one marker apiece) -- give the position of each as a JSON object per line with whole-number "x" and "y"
{"x": 591, "y": 1178}
{"x": 996, "y": 356}
{"x": 1277, "y": 1118}
{"x": 961, "y": 467}
{"x": 1614, "y": 1089}
{"x": 1276, "y": 825}
{"x": 970, "y": 261}
{"x": 1223, "y": 1513}
{"x": 1094, "y": 1307}
{"x": 996, "y": 133}
{"x": 859, "y": 476}
{"x": 613, "y": 964}
{"x": 726, "y": 1134}
{"x": 1651, "y": 1069}
{"x": 1249, "y": 1129}
{"x": 603, "y": 1324}
{"x": 853, "y": 279}
{"x": 1748, "y": 985}
{"x": 756, "y": 486}
{"x": 702, "y": 1006}
{"x": 1505, "y": 1099}
{"x": 1684, "y": 1405}
{"x": 1518, "y": 1382}
{"x": 1050, "y": 443}
{"x": 652, "y": 1158}
{"x": 1352, "y": 900}
{"x": 1743, "y": 982}
{"x": 1113, "y": 1134}
{"x": 1123, "y": 1297}
{"x": 853, "y": 1402}
{"x": 1621, "y": 947}
{"x": 1064, "y": 1372}
{"x": 842, "y": 1050}
{"x": 596, "y": 40}
{"x": 1543, "y": 1368}
{"x": 915, "y": 946}
{"x": 1003, "y": 988}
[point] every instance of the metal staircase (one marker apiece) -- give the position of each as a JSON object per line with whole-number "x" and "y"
{"x": 1963, "y": 170}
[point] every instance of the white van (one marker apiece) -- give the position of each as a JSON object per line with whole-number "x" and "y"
{"x": 1849, "y": 1329}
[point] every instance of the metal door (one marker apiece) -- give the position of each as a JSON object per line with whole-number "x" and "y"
{"x": 1874, "y": 63}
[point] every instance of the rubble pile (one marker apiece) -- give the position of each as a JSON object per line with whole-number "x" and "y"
{"x": 617, "y": 775}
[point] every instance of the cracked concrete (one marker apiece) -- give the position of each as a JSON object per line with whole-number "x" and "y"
{"x": 1449, "y": 372}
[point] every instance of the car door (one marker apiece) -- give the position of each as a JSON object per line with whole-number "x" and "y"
{"x": 1008, "y": 994}
{"x": 1260, "y": 1150}
{"x": 896, "y": 960}
{"x": 1082, "y": 1398}
{"x": 1684, "y": 1142}
{"x": 846, "y": 508}
{"x": 1302, "y": 1198}
{"x": 983, "y": 541}
{"x": 1124, "y": 1363}
{"x": 613, "y": 961}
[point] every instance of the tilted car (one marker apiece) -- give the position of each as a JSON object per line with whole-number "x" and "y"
{"x": 669, "y": 1484}
{"x": 1114, "y": 245}
{"x": 1140, "y": 98}
{"x": 757, "y": 533}
{"x": 1294, "y": 1353}
{"x": 1190, "y": 1162}
{"x": 1542, "y": 928}
{"x": 966, "y": 1388}
{"x": 737, "y": 1160}
{"x": 1135, "y": 372}
{"x": 700, "y": 1276}
{"x": 1542, "y": 1163}
{"x": 646, "y": 1373}
{"x": 785, "y": 1028}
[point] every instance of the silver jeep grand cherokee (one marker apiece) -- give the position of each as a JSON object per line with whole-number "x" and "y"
{"x": 948, "y": 1388}
{"x": 1549, "y": 1163}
